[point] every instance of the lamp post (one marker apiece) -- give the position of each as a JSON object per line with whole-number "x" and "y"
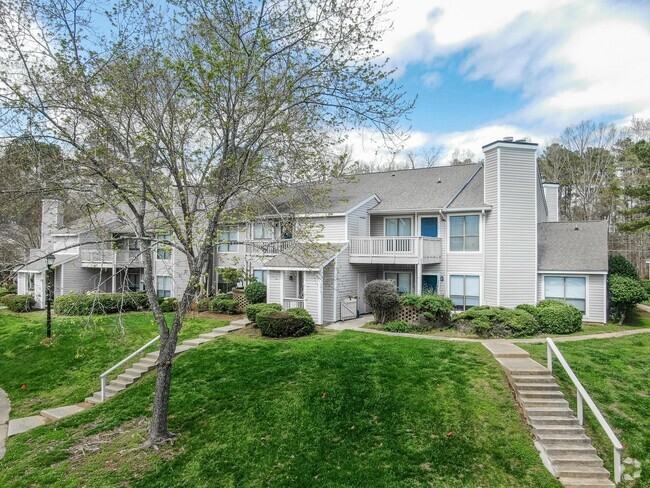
{"x": 49, "y": 260}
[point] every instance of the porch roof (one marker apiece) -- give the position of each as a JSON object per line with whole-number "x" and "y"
{"x": 40, "y": 265}
{"x": 301, "y": 255}
{"x": 572, "y": 246}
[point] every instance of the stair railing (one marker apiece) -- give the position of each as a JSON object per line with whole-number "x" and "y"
{"x": 583, "y": 397}
{"x": 113, "y": 368}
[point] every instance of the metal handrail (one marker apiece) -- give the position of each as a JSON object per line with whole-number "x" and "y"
{"x": 583, "y": 396}
{"x": 113, "y": 368}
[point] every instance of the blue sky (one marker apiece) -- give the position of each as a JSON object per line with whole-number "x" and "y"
{"x": 483, "y": 70}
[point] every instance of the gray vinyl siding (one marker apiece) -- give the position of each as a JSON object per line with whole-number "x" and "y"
{"x": 322, "y": 229}
{"x": 348, "y": 277}
{"x": 377, "y": 223}
{"x": 360, "y": 216}
{"x": 596, "y": 292}
{"x": 552, "y": 197}
{"x": 491, "y": 229}
{"x": 328, "y": 293}
{"x": 313, "y": 295}
{"x": 290, "y": 284}
{"x": 77, "y": 279}
{"x": 542, "y": 215}
{"x": 273, "y": 292}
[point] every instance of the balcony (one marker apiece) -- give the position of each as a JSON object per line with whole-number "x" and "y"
{"x": 109, "y": 258}
{"x": 288, "y": 303}
{"x": 395, "y": 250}
{"x": 261, "y": 247}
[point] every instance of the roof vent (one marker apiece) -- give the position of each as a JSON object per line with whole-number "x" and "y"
{"x": 523, "y": 139}
{"x": 393, "y": 174}
{"x": 576, "y": 227}
{"x": 439, "y": 180}
{"x": 508, "y": 139}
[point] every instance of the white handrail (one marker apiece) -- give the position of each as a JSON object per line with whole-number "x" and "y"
{"x": 582, "y": 394}
{"x": 113, "y": 368}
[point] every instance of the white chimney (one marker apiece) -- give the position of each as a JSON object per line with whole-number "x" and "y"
{"x": 51, "y": 221}
{"x": 552, "y": 196}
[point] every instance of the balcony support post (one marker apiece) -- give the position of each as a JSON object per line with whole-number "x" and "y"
{"x": 418, "y": 278}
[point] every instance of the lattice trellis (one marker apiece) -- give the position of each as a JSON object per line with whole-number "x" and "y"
{"x": 240, "y": 298}
{"x": 407, "y": 314}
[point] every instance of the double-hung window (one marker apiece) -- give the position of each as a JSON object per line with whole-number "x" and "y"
{"x": 464, "y": 291}
{"x": 263, "y": 230}
{"x": 164, "y": 286}
{"x": 30, "y": 282}
{"x": 260, "y": 275}
{"x": 570, "y": 289}
{"x": 163, "y": 246}
{"x": 401, "y": 280}
{"x": 228, "y": 239}
{"x": 464, "y": 233}
{"x": 398, "y": 226}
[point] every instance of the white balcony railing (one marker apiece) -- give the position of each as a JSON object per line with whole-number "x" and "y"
{"x": 266, "y": 247}
{"x": 293, "y": 303}
{"x": 99, "y": 257}
{"x": 395, "y": 249}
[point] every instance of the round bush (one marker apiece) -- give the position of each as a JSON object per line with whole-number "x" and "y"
{"x": 253, "y": 310}
{"x": 19, "y": 303}
{"x": 168, "y": 304}
{"x": 557, "y": 317}
{"x": 203, "y": 304}
{"x": 618, "y": 265}
{"x": 255, "y": 292}
{"x": 531, "y": 309}
{"x": 488, "y": 321}
{"x": 396, "y": 326}
{"x": 624, "y": 293}
{"x": 274, "y": 323}
{"x": 382, "y": 297}
{"x": 224, "y": 305}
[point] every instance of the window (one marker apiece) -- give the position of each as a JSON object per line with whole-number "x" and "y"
{"x": 163, "y": 249}
{"x": 464, "y": 291}
{"x": 164, "y": 286}
{"x": 398, "y": 226}
{"x": 133, "y": 281}
{"x": 133, "y": 244}
{"x": 464, "y": 233}
{"x": 569, "y": 289}
{"x": 401, "y": 280}
{"x": 262, "y": 230}
{"x": 260, "y": 275}
{"x": 228, "y": 238}
{"x": 30, "y": 282}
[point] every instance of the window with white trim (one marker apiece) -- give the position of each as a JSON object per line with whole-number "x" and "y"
{"x": 30, "y": 282}
{"x": 570, "y": 289}
{"x": 164, "y": 286}
{"x": 465, "y": 291}
{"x": 398, "y": 227}
{"x": 263, "y": 230}
{"x": 228, "y": 238}
{"x": 401, "y": 280}
{"x": 163, "y": 247}
{"x": 464, "y": 233}
{"x": 260, "y": 275}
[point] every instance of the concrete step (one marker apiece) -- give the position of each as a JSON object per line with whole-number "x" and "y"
{"x": 533, "y": 378}
{"x": 548, "y": 411}
{"x": 18, "y": 426}
{"x": 558, "y": 429}
{"x": 545, "y": 394}
{"x": 504, "y": 349}
{"x": 138, "y": 369}
{"x": 113, "y": 389}
{"x": 210, "y": 335}
{"x": 122, "y": 382}
{"x": 61, "y": 412}
{"x": 195, "y": 342}
{"x": 586, "y": 483}
{"x": 148, "y": 361}
{"x": 523, "y": 387}
{"x": 568, "y": 461}
{"x": 586, "y": 450}
{"x": 182, "y": 348}
{"x": 582, "y": 472}
{"x": 552, "y": 420}
{"x": 564, "y": 440}
{"x": 153, "y": 355}
{"x": 218, "y": 331}
{"x": 132, "y": 377}
{"x": 92, "y": 400}
{"x": 544, "y": 402}
{"x": 229, "y": 328}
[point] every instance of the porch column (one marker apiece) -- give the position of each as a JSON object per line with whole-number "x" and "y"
{"x": 282, "y": 288}
{"x": 113, "y": 279}
{"x": 418, "y": 279}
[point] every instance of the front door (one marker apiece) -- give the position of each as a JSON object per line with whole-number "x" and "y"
{"x": 361, "y": 298}
{"x": 429, "y": 283}
{"x": 429, "y": 226}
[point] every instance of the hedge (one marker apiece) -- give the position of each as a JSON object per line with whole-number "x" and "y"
{"x": 620, "y": 265}
{"x": 624, "y": 293}
{"x": 100, "y": 303}
{"x": 19, "y": 303}
{"x": 488, "y": 321}
{"x": 224, "y": 305}
{"x": 253, "y": 310}
{"x": 255, "y": 293}
{"x": 435, "y": 308}
{"x": 292, "y": 323}
{"x": 557, "y": 317}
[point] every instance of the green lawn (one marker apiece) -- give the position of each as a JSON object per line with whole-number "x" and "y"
{"x": 67, "y": 370}
{"x": 616, "y": 373}
{"x": 332, "y": 410}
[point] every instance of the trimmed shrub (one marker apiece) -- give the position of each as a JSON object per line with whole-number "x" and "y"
{"x": 224, "y": 305}
{"x": 436, "y": 309}
{"x": 618, "y": 265}
{"x": 203, "y": 304}
{"x": 274, "y": 323}
{"x": 531, "y": 309}
{"x": 253, "y": 310}
{"x": 168, "y": 304}
{"x": 382, "y": 297}
{"x": 4, "y": 293}
{"x": 307, "y": 320}
{"x": 255, "y": 292}
{"x": 396, "y": 326}
{"x": 624, "y": 293}
{"x": 100, "y": 303}
{"x": 557, "y": 317}
{"x": 488, "y": 321}
{"x": 19, "y": 303}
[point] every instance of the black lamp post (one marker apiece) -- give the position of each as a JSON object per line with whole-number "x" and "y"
{"x": 49, "y": 260}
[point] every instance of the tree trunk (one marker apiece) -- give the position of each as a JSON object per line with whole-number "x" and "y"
{"x": 158, "y": 432}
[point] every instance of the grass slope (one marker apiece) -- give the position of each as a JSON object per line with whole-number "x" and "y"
{"x": 616, "y": 373}
{"x": 67, "y": 369}
{"x": 346, "y": 409}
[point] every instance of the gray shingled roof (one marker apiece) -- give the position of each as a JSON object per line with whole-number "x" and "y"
{"x": 471, "y": 196}
{"x": 563, "y": 248}
{"x": 305, "y": 255}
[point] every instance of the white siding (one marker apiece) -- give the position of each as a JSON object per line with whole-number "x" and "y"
{"x": 329, "y": 313}
{"x": 542, "y": 214}
{"x": 360, "y": 217}
{"x": 464, "y": 263}
{"x": 321, "y": 229}
{"x": 552, "y": 195}
{"x": 490, "y": 289}
{"x": 313, "y": 295}
{"x": 273, "y": 292}
{"x": 77, "y": 279}
{"x": 348, "y": 278}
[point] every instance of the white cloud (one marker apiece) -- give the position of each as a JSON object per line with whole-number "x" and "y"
{"x": 432, "y": 80}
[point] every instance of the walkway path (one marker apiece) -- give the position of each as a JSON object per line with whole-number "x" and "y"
{"x": 563, "y": 445}
{"x": 13, "y": 427}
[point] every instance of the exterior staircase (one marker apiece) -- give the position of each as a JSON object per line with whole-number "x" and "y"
{"x": 148, "y": 362}
{"x": 564, "y": 446}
